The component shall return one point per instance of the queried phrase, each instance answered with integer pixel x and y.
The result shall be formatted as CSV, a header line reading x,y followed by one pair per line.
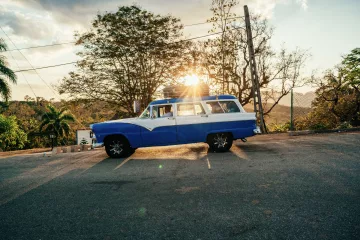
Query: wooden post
x,y
258,109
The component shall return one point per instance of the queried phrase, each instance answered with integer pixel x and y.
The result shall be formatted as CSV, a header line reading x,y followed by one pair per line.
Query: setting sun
x,y
191,80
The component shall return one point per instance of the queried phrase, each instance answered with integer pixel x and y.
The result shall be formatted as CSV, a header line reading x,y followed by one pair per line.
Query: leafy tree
x,y
57,121
338,95
351,68
228,65
127,56
6,74
11,136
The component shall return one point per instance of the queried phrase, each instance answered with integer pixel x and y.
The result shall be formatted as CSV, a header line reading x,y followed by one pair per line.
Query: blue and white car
x,y
216,120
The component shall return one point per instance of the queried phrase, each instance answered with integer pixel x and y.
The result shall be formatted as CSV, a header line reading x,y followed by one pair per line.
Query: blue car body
x,y
192,120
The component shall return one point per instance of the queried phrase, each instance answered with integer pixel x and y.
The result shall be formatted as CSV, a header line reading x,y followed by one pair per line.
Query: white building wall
x,y
83,135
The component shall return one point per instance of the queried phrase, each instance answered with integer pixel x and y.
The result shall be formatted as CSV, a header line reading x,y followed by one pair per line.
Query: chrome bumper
x,y
97,145
257,130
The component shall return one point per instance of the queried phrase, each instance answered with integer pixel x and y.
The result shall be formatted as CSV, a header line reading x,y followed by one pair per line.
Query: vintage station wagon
x,y
216,120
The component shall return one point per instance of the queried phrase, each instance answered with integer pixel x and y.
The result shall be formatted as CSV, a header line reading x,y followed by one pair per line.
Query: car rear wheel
x,y
117,147
220,142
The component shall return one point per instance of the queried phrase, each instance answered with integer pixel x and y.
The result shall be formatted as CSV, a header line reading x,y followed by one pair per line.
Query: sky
x,y
328,29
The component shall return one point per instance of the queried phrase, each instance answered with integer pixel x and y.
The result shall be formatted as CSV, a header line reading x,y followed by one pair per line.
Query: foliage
x,y
351,68
337,102
344,125
6,74
127,56
11,136
227,62
57,121
279,127
338,93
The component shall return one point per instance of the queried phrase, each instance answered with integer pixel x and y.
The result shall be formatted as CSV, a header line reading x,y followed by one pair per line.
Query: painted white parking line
x,y
208,163
125,161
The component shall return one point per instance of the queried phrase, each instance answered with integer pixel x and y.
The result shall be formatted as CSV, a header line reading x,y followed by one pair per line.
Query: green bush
x,y
344,125
279,127
11,136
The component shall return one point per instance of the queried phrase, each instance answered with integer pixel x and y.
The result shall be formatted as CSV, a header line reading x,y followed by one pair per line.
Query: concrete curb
x,y
308,132
70,149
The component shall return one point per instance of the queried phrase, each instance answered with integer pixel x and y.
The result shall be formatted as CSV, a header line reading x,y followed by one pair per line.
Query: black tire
x,y
117,147
220,142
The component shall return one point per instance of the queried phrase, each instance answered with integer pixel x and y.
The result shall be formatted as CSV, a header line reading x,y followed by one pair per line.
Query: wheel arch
x,y
115,135
215,132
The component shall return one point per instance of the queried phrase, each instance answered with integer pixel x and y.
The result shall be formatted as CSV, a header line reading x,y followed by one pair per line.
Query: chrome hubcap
x,y
116,147
220,140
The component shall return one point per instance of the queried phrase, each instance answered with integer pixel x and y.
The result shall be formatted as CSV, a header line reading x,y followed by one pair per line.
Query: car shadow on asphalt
x,y
177,156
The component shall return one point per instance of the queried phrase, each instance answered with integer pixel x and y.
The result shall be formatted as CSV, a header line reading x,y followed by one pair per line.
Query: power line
x,y
27,80
38,76
208,35
196,24
69,63
51,66
49,45
27,61
66,43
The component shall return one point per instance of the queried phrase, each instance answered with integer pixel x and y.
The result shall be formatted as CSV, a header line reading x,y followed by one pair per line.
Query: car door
x,y
191,122
160,128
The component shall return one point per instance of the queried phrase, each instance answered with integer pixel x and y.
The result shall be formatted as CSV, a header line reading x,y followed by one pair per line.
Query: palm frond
x,y
51,108
3,46
44,123
68,117
5,91
62,110
8,73
65,127
56,120
50,128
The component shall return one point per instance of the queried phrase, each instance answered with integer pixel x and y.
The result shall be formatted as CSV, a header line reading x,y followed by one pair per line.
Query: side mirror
x,y
136,106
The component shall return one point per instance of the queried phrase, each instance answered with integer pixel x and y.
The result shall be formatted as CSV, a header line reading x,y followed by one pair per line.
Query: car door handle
x,y
171,118
205,115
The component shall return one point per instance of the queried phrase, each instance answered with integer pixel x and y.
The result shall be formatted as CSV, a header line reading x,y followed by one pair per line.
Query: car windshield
x,y
146,113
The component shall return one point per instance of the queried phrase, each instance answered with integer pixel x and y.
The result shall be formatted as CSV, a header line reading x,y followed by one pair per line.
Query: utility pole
x,y
258,109
292,111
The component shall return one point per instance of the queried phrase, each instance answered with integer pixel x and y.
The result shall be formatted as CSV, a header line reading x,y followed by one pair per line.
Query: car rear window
x,y
223,107
229,106
214,107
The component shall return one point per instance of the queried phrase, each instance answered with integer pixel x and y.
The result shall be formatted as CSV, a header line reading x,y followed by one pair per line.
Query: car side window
x,y
162,111
146,113
214,107
154,112
229,106
190,109
185,109
165,111
199,110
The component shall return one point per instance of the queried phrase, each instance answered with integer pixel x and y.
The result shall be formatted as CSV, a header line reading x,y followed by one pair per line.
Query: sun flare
x,y
191,80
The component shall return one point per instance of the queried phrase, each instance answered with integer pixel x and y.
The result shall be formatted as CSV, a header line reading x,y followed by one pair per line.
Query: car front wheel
x,y
117,147
220,142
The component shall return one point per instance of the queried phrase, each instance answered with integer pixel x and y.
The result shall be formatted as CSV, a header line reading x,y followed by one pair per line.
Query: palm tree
x,y
57,121
6,74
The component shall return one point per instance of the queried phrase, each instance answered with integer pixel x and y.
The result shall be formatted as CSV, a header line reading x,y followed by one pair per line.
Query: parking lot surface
x,y
272,187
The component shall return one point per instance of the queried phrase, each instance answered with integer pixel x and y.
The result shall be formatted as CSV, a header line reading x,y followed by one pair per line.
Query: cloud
x,y
303,4
72,12
24,24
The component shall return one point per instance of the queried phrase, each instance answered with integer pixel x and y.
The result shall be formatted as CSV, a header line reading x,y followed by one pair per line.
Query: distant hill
x,y
281,114
300,99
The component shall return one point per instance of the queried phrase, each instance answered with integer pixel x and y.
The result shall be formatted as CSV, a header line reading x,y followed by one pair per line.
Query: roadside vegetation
x,y
132,54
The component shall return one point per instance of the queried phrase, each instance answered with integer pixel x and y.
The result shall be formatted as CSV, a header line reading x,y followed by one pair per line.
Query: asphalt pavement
x,y
272,187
